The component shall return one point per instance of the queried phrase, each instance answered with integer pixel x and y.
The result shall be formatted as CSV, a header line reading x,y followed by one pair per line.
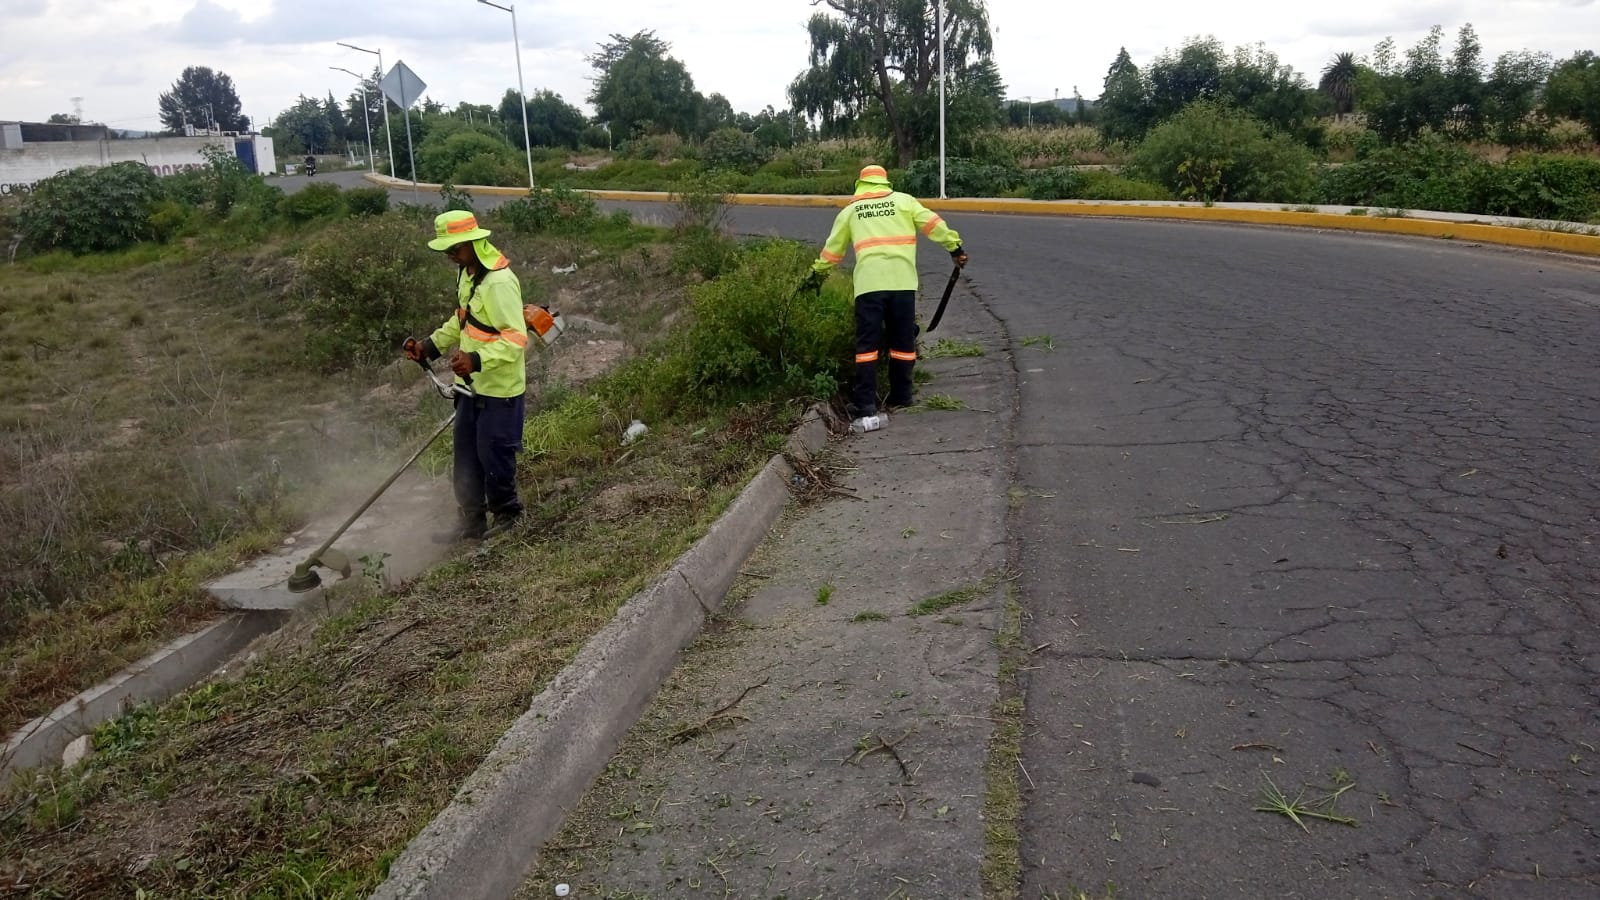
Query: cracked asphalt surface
x,y
1316,510
1309,508
1305,510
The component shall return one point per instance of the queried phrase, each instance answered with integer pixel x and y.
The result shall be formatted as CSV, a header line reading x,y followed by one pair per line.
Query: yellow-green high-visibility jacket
x,y
488,324
882,227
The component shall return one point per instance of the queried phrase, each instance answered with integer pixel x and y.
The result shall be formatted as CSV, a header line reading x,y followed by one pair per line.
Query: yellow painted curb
x,y
1528,238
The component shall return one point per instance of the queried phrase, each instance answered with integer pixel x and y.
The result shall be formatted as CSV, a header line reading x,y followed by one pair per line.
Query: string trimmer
x,y
305,577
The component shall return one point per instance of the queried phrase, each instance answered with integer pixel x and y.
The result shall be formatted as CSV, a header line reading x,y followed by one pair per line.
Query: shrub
x,y
1539,187
659,147
700,204
1429,172
1055,184
169,219
368,284
963,178
755,334
315,201
595,137
732,149
1101,185
1213,152
557,209
455,199
367,201
494,171
439,158
92,210
784,166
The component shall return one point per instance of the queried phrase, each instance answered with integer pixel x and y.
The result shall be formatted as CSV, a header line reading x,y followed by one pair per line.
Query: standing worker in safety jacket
x,y
882,225
486,339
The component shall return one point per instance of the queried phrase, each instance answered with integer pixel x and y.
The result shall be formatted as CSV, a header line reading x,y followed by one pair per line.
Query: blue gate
x,y
246,151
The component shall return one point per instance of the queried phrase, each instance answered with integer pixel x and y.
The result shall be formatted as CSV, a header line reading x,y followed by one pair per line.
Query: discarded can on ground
x,y
634,432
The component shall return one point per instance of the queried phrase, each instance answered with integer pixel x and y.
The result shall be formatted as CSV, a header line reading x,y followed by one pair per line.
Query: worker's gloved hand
x,y
413,350
816,281
960,257
463,364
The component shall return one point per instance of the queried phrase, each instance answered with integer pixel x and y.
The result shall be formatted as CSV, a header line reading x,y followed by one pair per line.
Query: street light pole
x,y
527,143
387,131
939,25
366,112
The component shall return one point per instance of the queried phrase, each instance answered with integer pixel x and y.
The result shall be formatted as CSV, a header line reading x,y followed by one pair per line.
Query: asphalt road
x,y
1309,508
1304,510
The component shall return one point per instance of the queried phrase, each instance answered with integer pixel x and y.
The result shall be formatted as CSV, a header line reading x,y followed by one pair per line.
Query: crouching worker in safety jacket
x,y
486,339
882,225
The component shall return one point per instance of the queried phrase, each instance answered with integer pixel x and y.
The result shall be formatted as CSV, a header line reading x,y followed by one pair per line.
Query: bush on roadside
x,y
365,286
756,335
1430,172
732,150
557,210
315,201
963,178
92,210
492,171
1213,152
367,201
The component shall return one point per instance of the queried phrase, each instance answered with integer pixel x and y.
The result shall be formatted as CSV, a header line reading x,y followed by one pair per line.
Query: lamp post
x,y
387,132
366,112
939,26
527,144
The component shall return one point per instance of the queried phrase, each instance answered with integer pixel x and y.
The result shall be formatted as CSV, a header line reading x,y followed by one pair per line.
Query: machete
x,y
944,301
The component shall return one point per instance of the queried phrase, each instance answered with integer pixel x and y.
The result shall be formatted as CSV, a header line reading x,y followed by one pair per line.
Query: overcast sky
x,y
118,55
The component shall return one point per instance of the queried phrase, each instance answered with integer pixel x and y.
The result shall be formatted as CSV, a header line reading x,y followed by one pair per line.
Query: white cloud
x,y
122,53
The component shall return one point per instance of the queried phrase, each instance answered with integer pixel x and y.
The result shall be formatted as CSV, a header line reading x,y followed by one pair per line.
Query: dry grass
x,y
324,758
158,425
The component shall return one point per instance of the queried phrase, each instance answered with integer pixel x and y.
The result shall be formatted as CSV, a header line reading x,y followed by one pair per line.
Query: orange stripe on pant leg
x,y
903,357
867,357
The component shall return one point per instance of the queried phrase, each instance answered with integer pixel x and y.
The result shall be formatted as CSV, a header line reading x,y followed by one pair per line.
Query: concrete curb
x,y
1405,225
169,670
487,839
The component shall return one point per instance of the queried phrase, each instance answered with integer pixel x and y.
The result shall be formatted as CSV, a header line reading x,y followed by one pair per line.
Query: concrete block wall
x,y
20,168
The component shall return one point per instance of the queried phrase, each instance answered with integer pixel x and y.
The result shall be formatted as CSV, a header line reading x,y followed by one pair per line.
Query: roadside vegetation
x,y
1427,127
240,359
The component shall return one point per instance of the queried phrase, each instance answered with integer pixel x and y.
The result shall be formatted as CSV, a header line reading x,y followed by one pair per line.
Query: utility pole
x,y
387,131
527,143
939,25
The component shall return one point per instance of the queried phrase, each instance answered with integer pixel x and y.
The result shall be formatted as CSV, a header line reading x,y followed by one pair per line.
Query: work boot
x,y
466,529
502,524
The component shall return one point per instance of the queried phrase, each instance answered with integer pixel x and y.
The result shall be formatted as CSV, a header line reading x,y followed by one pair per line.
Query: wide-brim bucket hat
x,y
456,227
872,178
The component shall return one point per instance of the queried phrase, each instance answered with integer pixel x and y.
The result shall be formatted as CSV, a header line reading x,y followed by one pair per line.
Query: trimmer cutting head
x,y
304,579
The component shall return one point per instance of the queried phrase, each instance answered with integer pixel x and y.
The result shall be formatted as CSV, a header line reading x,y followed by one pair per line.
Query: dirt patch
x,y
586,359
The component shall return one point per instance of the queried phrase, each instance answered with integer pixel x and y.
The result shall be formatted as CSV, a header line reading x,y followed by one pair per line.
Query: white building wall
x,y
19,169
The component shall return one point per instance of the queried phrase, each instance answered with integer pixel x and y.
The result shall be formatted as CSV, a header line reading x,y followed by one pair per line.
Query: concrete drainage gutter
x,y
484,843
167,671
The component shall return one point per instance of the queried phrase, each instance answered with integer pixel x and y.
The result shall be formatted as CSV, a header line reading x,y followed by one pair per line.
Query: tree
x,y
1339,83
718,113
1193,73
1465,78
552,121
1125,111
882,56
62,119
1574,91
200,97
302,128
1511,97
640,89
338,128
